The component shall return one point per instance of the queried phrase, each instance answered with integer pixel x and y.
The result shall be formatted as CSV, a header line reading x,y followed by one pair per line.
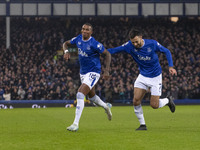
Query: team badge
x,y
149,49
88,47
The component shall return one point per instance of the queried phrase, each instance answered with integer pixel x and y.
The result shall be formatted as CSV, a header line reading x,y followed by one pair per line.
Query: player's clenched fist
x,y
67,56
172,71
106,75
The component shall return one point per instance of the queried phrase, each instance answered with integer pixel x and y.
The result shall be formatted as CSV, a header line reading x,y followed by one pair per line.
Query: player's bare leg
x,y
138,96
96,99
156,102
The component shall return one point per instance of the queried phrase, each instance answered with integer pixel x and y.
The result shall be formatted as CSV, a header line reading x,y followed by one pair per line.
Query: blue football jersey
x,y
88,53
146,56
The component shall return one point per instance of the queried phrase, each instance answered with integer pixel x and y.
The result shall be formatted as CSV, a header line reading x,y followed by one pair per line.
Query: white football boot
x,y
73,128
108,111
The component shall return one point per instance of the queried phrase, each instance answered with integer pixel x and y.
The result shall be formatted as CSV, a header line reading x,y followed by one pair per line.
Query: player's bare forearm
x,y
66,45
108,60
65,49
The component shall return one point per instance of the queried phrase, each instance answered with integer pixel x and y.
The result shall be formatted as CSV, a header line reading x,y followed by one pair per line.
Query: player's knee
x,y
136,102
154,102
80,95
154,105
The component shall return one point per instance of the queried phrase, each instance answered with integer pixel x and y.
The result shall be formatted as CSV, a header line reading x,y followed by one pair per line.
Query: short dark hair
x,y
134,32
88,24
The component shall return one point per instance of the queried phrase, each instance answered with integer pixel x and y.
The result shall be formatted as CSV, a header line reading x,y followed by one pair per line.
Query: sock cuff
x,y
137,107
93,98
80,95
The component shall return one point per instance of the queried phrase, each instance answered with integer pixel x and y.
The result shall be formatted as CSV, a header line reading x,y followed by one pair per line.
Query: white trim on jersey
x,y
86,40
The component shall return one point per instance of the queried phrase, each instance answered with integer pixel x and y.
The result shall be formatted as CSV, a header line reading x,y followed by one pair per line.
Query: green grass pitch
x,y
45,129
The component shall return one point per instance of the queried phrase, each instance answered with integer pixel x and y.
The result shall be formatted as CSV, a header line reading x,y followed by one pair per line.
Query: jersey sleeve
x,y
98,47
73,40
167,52
118,49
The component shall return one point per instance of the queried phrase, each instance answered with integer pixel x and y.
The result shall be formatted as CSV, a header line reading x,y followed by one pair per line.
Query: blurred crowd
x,y
32,68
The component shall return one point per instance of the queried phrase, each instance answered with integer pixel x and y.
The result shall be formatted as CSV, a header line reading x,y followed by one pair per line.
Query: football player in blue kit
x,y
144,53
89,51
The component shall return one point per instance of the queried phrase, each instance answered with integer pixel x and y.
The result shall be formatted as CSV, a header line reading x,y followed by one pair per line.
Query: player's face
x,y
86,31
137,41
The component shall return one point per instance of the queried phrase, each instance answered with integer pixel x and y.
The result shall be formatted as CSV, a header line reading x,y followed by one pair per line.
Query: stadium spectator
x,y
1,94
7,94
21,93
34,43
108,93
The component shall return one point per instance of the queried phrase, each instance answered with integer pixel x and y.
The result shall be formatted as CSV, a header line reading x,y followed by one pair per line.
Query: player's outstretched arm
x,y
106,74
168,54
66,51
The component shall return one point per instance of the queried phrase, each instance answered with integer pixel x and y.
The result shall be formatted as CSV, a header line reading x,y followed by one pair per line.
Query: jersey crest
x,y
149,49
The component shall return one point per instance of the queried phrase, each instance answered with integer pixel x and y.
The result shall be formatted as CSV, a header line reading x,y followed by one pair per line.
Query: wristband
x,y
66,51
